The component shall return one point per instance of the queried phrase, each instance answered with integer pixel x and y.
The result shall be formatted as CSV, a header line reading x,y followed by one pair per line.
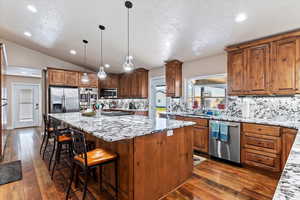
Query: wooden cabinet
x,y
236,72
111,82
257,77
71,78
285,65
56,77
261,146
200,132
93,83
288,138
174,78
268,66
134,85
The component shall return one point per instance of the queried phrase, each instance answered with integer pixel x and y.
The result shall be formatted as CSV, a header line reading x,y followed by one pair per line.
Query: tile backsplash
x,y
141,104
280,108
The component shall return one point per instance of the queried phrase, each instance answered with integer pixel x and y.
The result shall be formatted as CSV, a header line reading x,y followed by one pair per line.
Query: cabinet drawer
x,y
267,143
199,121
261,129
262,160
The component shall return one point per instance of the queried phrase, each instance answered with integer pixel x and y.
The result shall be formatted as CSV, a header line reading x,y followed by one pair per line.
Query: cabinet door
x,y
288,138
201,139
170,81
93,80
71,78
236,72
257,77
56,77
174,78
284,67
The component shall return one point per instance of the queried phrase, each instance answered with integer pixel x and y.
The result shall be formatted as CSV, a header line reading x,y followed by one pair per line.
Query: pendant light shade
x,y
128,65
85,77
102,74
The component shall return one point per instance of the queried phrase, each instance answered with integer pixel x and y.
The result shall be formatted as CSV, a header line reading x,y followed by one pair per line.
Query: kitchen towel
x,y
215,127
224,136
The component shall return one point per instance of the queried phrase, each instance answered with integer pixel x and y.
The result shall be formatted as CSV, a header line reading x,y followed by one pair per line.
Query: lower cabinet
x,y
201,139
200,131
266,147
288,138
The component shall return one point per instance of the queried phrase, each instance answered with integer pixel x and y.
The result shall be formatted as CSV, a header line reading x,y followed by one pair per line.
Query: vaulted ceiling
x,y
162,29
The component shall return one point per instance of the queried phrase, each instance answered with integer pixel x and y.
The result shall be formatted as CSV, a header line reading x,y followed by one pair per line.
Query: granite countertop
x,y
288,187
117,128
127,109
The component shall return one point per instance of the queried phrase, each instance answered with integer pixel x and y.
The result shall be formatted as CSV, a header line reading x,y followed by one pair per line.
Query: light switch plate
x,y
170,132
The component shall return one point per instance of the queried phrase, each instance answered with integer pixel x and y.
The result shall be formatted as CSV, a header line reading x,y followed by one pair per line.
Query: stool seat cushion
x,y
96,156
64,138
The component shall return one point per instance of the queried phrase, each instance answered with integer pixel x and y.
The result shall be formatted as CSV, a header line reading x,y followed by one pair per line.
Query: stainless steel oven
x,y
229,150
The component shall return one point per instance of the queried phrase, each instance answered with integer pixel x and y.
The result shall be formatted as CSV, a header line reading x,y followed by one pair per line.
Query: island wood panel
x,y
146,164
161,163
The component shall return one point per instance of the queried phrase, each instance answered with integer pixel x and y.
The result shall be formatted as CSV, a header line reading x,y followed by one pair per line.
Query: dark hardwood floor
x,y
211,179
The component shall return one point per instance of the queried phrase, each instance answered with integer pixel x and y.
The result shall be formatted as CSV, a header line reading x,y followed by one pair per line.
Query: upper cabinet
x,y
269,66
174,78
93,81
111,81
56,77
60,77
134,85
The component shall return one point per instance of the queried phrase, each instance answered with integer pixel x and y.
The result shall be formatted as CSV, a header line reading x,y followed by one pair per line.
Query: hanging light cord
x,y
85,53
128,32
101,62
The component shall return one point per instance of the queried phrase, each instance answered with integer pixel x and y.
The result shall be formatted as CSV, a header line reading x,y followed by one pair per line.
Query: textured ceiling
x,y
162,29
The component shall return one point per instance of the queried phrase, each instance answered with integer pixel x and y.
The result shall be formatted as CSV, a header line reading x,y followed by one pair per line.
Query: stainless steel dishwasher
x,y
229,150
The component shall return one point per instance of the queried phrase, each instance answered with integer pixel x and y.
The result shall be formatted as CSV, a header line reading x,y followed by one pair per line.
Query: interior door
x,y
27,105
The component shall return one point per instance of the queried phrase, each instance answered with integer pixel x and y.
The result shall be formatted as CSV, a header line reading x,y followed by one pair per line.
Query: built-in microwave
x,y
109,93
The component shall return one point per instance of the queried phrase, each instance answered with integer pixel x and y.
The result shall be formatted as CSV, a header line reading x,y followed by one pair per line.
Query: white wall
x,y
21,56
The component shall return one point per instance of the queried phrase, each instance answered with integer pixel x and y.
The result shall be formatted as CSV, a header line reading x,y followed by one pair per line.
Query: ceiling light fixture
x,y
128,64
241,17
73,52
101,74
32,8
28,34
85,77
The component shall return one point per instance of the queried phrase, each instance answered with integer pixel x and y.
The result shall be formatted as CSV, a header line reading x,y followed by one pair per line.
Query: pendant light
x,y
102,74
85,77
128,64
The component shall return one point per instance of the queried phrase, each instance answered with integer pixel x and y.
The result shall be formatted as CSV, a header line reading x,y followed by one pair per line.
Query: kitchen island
x,y
155,155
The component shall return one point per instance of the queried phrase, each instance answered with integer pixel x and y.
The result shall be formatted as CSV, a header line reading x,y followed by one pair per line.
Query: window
x,y
208,93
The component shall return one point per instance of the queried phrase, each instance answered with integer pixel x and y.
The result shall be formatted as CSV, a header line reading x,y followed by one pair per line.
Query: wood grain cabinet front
x,y
71,78
288,138
174,78
56,77
268,66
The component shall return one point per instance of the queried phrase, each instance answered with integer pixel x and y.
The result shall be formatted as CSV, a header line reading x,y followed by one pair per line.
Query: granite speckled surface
x,y
288,187
117,128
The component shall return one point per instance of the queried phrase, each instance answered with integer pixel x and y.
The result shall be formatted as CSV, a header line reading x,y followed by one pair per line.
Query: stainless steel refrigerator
x,y
63,99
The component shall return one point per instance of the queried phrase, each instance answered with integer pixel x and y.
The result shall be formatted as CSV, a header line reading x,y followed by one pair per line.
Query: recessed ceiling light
x,y
73,52
107,66
32,8
241,17
28,34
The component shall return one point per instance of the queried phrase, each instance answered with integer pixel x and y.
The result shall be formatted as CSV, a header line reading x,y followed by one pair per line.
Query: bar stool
x,y
89,160
61,137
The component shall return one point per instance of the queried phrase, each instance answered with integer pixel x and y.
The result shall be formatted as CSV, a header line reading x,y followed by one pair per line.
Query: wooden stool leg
x,y
71,180
100,178
117,179
86,173
77,177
